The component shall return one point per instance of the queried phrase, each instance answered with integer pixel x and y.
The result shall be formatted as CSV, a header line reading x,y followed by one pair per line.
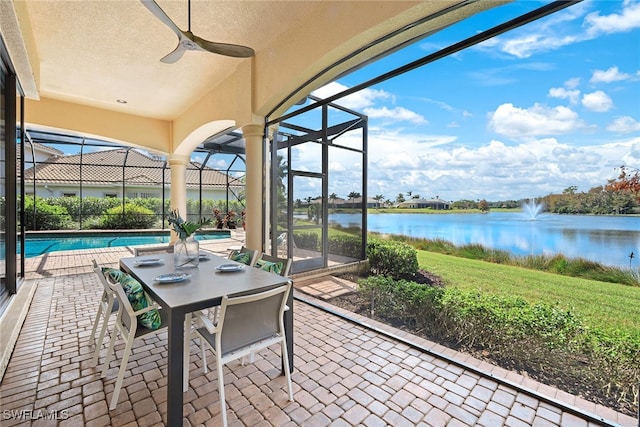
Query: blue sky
x,y
552,104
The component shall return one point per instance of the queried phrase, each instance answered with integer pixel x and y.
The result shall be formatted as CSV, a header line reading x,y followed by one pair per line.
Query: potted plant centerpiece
x,y
186,250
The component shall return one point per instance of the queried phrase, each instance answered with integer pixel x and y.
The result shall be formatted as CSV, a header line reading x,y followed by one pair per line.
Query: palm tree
x,y
333,197
378,198
283,168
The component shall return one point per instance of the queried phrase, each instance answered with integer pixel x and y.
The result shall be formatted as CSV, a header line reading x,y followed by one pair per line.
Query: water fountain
x,y
531,209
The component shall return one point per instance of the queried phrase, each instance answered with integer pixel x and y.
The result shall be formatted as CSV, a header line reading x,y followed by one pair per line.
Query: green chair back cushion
x,y
273,267
136,296
241,257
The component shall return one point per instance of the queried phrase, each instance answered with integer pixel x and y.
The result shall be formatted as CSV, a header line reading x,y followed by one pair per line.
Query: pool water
x,y
36,246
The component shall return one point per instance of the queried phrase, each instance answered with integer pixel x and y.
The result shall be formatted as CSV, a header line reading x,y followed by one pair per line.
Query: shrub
x,y
306,241
132,217
391,258
530,336
39,215
350,246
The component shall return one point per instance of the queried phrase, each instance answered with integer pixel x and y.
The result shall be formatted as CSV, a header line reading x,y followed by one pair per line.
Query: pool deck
x,y
349,370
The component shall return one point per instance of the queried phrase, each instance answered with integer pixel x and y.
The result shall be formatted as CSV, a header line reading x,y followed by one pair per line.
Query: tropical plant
x,y
184,228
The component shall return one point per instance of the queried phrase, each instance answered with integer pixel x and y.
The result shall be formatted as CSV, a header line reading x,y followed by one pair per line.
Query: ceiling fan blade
x,y
175,55
226,49
159,13
188,41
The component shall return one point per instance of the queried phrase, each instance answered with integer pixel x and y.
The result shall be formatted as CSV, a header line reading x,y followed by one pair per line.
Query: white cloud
x,y
608,76
572,83
538,120
528,45
626,20
559,92
597,101
624,124
396,114
367,101
357,101
494,170
556,31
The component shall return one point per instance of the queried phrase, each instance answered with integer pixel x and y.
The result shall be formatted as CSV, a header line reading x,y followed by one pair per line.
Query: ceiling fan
x,y
188,41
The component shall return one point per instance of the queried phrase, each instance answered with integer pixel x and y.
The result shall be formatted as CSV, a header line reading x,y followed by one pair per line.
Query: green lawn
x,y
607,306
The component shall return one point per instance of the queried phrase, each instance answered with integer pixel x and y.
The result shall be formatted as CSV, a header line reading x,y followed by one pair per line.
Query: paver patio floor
x,y
346,374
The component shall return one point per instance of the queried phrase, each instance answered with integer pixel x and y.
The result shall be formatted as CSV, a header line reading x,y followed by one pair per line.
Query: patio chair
x,y
245,325
108,306
150,250
245,256
282,243
281,266
127,322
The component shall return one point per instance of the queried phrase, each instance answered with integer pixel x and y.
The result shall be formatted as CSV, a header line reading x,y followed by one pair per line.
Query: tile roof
x,y
105,168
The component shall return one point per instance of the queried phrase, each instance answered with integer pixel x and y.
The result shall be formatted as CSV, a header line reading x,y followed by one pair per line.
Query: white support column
x,y
178,165
255,199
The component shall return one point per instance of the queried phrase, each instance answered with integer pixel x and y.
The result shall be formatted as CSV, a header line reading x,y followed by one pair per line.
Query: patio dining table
x,y
203,289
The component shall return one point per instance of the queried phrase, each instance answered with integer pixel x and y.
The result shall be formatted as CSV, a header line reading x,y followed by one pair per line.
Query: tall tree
x,y
628,181
283,167
332,198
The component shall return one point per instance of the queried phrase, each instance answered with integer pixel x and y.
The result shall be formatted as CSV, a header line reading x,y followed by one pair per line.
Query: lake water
x,y
605,239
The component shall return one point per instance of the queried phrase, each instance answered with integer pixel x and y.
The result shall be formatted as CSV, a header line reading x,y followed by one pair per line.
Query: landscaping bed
x,y
581,374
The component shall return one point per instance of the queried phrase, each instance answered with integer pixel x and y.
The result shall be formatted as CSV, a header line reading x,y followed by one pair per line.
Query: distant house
x,y
39,152
354,203
357,203
102,175
435,204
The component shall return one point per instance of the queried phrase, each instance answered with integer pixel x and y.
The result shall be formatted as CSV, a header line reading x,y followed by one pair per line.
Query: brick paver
x,y
345,373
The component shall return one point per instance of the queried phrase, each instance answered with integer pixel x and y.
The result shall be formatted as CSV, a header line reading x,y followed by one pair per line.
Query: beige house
x,y
118,172
435,204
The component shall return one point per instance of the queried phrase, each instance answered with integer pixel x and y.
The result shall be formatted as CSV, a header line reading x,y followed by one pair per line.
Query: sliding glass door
x,y
10,264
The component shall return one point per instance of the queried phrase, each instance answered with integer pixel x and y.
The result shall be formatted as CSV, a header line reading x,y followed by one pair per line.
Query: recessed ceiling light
x,y
121,101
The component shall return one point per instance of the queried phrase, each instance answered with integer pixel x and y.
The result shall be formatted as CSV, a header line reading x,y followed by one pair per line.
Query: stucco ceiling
x,y
98,52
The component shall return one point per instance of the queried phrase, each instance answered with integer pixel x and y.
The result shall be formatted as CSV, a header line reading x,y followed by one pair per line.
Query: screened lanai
x,y
72,171
63,165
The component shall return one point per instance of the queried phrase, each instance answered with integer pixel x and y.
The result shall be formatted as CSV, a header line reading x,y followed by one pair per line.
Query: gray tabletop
x,y
204,288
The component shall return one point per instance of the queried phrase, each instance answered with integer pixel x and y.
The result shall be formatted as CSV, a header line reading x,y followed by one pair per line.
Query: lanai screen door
x,y
318,159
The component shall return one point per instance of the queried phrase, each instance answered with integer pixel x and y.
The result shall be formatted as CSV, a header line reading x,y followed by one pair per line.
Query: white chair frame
x,y
213,334
107,307
286,268
254,254
126,324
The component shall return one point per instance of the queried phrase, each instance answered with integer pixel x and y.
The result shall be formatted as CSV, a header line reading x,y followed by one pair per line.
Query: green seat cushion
x,y
241,257
273,267
136,296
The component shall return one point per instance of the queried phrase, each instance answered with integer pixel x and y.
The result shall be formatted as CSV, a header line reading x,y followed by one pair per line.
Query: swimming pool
x,y
39,244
